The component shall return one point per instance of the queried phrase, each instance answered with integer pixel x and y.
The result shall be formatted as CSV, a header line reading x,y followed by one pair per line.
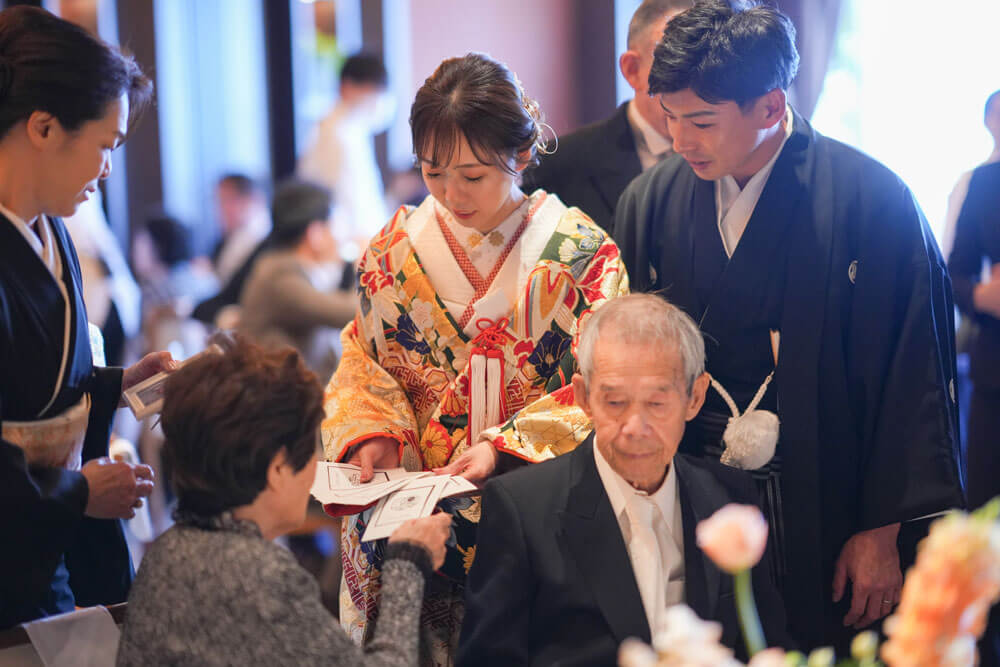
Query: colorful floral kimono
x,y
434,340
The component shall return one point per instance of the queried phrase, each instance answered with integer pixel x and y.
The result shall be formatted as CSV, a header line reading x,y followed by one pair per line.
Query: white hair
x,y
643,319
651,11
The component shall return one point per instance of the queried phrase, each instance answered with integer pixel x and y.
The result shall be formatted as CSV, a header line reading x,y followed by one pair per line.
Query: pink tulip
x,y
734,537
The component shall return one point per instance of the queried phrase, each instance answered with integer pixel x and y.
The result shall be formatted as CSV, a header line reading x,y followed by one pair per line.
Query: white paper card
x,y
83,638
146,398
340,483
417,499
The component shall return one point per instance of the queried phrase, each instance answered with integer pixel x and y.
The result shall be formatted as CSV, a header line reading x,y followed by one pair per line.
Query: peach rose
x,y
772,657
947,593
734,537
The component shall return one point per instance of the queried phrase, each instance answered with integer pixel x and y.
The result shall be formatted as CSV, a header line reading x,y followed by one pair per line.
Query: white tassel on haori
x,y
752,437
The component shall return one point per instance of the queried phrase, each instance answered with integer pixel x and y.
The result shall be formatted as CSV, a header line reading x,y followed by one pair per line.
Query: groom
x,y
576,554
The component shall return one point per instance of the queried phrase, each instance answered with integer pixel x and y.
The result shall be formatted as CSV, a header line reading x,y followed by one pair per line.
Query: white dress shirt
x,y
240,244
660,515
649,144
734,206
341,157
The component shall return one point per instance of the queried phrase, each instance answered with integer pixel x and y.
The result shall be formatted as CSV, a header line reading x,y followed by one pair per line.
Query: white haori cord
x,y
751,437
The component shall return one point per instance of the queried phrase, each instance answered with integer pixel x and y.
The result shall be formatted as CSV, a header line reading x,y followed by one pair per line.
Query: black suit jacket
x,y
977,238
590,168
552,582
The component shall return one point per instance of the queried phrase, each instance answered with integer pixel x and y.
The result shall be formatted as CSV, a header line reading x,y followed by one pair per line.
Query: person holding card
x,y
66,102
241,443
470,304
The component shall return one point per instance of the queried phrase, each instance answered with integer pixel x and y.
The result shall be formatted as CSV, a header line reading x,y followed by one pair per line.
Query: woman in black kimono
x,y
65,103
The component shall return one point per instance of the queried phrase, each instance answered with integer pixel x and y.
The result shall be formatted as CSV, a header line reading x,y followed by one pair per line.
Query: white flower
x,y
685,640
960,652
569,252
634,653
385,307
421,312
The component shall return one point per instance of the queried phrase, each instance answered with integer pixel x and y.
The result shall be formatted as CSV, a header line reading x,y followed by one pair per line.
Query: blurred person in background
x,y
67,101
977,294
110,291
991,119
241,446
593,165
172,274
292,295
341,153
246,222
968,329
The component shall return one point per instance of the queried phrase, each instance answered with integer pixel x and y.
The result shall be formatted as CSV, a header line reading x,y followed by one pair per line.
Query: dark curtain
x,y
816,23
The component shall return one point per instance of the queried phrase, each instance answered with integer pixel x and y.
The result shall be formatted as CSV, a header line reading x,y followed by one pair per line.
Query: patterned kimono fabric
x,y
438,335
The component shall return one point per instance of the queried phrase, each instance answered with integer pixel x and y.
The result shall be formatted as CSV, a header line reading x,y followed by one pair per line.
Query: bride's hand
x,y
476,464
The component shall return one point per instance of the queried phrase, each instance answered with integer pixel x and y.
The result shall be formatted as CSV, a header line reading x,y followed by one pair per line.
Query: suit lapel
x,y
702,579
592,534
617,158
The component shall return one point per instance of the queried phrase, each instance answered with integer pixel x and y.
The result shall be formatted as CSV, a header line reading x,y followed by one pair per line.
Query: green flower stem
x,y
746,609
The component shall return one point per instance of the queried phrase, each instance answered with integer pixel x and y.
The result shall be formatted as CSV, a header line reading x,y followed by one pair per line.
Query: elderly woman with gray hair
x,y
241,445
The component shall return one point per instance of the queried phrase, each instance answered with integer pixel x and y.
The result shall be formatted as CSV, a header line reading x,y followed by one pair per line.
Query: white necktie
x,y
645,554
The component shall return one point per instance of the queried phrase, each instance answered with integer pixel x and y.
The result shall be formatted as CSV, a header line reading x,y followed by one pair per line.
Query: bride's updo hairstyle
x,y
479,98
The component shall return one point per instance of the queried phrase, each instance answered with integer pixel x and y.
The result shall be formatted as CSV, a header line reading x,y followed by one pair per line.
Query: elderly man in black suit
x,y
592,166
578,553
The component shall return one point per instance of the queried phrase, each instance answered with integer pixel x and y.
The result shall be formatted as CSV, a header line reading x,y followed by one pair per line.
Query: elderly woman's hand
x,y
430,532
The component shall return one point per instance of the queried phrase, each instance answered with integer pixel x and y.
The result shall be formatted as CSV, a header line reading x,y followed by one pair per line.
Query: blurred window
x,y
324,33
907,84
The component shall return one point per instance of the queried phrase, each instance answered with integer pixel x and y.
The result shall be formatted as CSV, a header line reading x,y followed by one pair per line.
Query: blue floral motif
x,y
590,239
577,251
408,336
547,353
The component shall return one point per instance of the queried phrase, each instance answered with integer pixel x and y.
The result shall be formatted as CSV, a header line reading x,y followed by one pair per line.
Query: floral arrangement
x,y
946,597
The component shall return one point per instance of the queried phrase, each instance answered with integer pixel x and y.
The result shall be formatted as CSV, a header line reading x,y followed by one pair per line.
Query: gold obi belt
x,y
56,442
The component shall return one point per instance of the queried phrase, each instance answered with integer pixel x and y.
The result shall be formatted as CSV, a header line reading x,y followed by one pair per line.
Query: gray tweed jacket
x,y
222,595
